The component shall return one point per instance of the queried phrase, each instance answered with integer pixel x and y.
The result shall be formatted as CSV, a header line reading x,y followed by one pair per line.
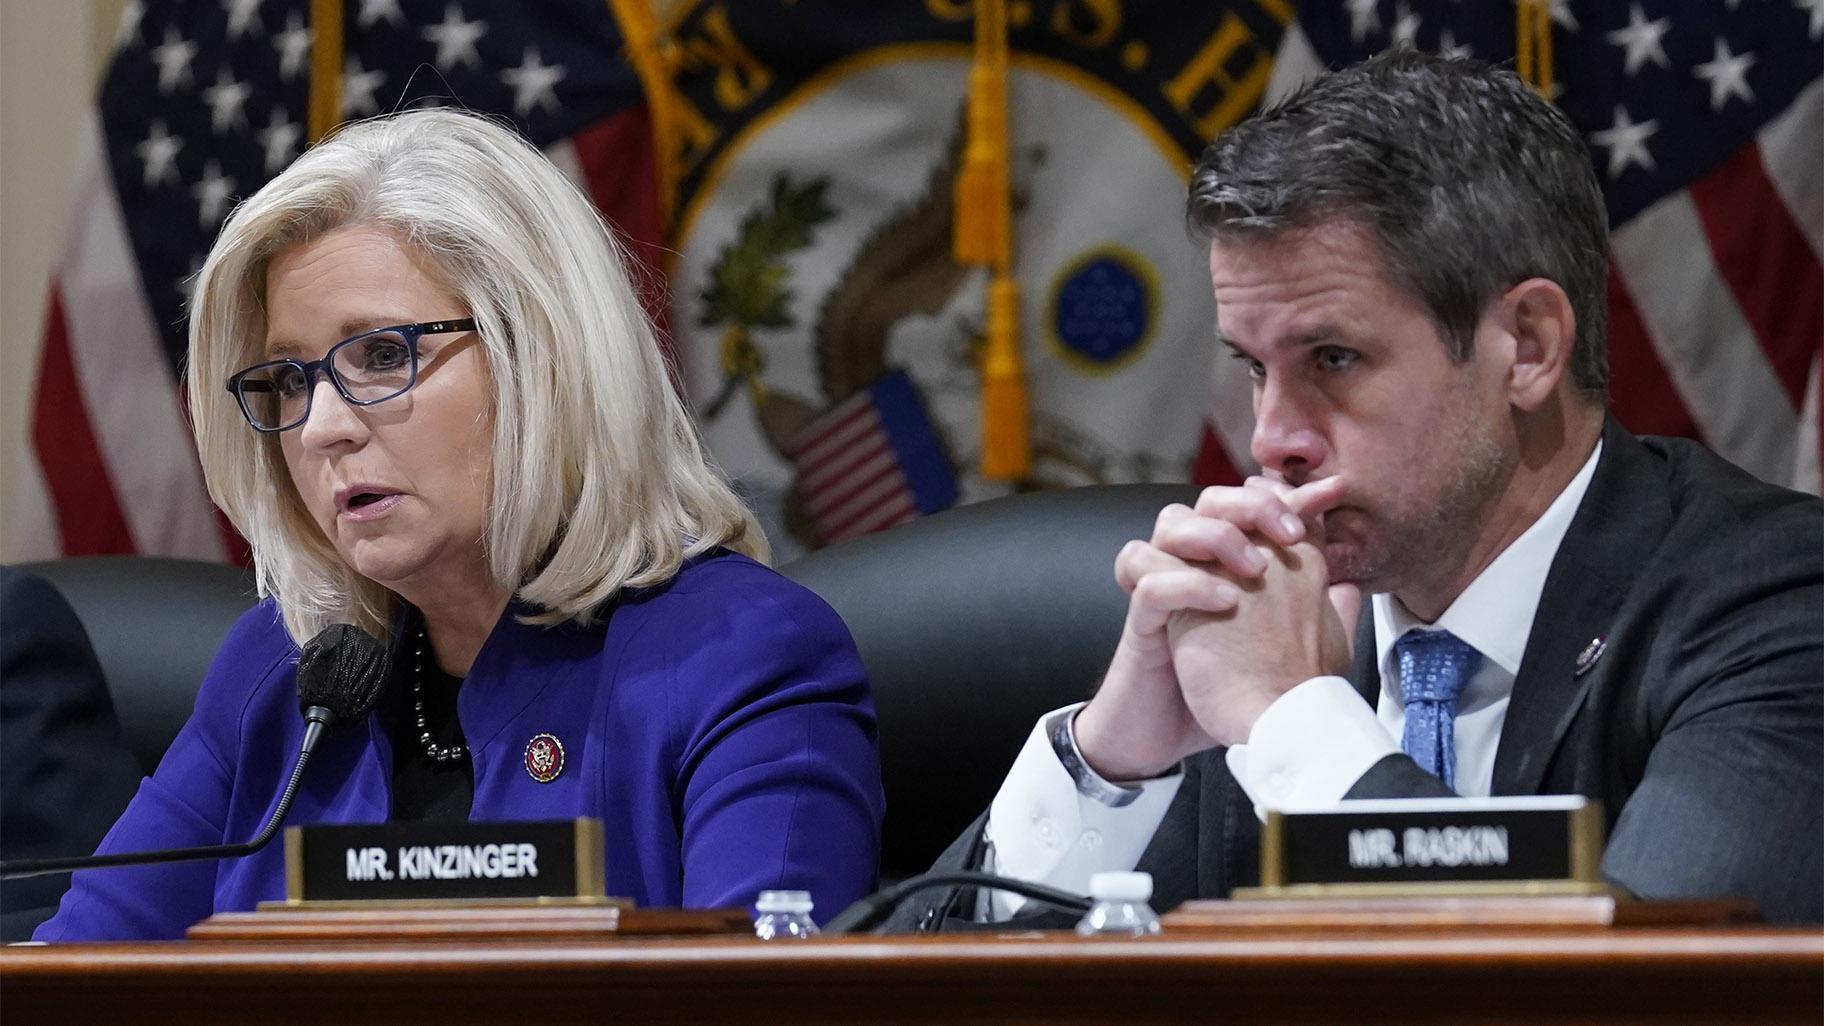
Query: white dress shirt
x,y
1310,746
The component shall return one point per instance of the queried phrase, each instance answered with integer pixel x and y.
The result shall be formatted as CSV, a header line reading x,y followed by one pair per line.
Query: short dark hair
x,y
1468,180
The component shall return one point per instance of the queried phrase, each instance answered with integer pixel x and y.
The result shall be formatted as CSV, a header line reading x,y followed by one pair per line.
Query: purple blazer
x,y
720,726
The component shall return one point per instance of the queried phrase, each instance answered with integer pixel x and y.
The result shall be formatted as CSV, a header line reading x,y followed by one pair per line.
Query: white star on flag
x,y
1561,14
1364,17
1727,74
358,88
130,17
293,45
1626,142
243,15
1816,9
1643,39
159,151
212,194
455,39
1405,26
226,98
534,83
173,58
1450,49
373,11
280,140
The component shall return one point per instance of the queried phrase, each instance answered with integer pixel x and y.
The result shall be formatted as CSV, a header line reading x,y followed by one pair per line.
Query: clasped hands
x,y
1229,607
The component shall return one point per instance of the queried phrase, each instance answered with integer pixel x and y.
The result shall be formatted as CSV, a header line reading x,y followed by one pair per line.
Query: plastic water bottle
x,y
1120,907
784,915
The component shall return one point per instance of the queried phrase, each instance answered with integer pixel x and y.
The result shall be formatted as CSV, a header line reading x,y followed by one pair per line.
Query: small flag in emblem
x,y
872,462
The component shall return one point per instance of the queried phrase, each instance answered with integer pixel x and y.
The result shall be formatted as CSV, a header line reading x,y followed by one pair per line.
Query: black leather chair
x,y
972,624
155,624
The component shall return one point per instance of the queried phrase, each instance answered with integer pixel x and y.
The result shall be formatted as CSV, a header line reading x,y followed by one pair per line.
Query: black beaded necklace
x,y
440,754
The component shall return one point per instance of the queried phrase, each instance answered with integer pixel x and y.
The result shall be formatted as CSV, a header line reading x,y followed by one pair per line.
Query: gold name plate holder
x,y
1440,864
456,882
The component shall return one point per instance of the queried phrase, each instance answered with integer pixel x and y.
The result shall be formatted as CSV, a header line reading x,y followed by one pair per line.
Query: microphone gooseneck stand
x,y
341,673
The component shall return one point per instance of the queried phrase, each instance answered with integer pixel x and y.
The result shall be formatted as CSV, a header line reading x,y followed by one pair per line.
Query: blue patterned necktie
x,y
1434,667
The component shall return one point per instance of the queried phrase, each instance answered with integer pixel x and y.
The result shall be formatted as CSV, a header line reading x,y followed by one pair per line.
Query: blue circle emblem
x,y
1102,308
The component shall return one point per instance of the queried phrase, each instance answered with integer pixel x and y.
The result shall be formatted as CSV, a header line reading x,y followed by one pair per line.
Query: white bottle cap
x,y
1121,886
797,901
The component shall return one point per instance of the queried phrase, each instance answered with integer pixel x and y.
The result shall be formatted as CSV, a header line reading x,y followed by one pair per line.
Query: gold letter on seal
x,y
740,77
1237,91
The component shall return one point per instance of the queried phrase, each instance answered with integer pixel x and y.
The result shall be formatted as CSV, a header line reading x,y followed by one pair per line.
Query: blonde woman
x,y
424,390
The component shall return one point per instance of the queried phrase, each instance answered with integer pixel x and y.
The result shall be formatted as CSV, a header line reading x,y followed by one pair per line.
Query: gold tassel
x,y
982,231
652,64
325,67
984,235
1006,442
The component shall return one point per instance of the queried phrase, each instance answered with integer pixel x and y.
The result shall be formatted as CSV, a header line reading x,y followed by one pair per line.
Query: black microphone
x,y
341,673
874,909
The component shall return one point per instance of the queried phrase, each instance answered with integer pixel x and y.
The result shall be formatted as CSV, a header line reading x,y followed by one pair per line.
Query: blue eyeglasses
x,y
369,368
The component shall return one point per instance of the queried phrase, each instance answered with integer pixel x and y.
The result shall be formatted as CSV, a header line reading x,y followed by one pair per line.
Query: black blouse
x,y
424,789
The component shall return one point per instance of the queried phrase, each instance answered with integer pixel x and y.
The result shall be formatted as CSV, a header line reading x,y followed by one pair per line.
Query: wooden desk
x,y
1407,977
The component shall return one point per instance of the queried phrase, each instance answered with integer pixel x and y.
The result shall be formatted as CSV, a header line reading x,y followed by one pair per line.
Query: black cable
x,y
16,869
870,911
341,672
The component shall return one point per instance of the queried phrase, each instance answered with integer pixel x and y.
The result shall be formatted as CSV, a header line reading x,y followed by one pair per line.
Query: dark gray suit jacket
x,y
65,770
1700,727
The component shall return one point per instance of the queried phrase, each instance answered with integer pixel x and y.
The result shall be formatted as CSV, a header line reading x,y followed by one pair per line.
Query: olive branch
x,y
750,282
749,285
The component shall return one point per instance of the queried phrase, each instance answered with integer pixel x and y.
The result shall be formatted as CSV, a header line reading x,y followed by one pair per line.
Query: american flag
x,y
204,102
872,462
1704,121
1706,125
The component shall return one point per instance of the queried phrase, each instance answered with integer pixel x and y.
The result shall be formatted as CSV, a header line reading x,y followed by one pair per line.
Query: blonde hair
x,y
599,480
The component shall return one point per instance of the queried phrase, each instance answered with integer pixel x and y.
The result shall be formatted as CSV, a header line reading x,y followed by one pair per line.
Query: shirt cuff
x,y
1310,747
1043,829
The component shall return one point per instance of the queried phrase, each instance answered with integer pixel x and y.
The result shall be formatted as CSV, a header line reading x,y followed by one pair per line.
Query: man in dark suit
x,y
65,770
1408,255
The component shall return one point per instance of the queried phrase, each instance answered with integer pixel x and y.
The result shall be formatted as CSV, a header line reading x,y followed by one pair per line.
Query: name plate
x,y
1509,845
445,862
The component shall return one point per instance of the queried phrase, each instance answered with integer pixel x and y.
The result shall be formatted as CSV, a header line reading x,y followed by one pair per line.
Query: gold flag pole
x,y
325,67
1533,45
